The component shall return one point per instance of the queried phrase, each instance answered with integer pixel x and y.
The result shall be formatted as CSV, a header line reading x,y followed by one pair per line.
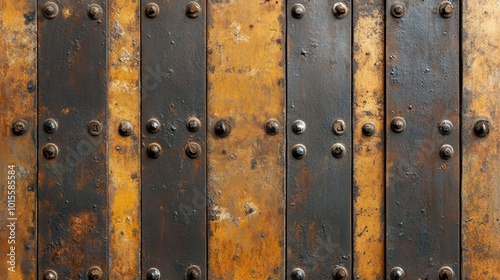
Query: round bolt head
x,y
298,127
193,150
482,128
446,127
338,150
152,10
193,9
153,274
340,273
446,273
125,128
368,129
446,151
398,124
50,275
397,273
50,10
298,10
153,126
446,9
272,127
94,128
339,127
398,9
50,151
222,128
193,272
193,124
19,127
298,274
95,273
299,151
340,10
95,12
50,126
154,150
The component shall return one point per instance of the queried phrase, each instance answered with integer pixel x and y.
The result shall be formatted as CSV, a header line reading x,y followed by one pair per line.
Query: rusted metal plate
x,y
72,191
173,120
368,139
480,164
18,123
124,140
423,188
246,168
319,189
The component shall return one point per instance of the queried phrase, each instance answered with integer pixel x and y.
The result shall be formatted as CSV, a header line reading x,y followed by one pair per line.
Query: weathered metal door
x,y
249,139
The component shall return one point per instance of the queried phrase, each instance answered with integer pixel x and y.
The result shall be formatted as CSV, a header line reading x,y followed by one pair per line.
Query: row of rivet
x,y
338,127
94,273
50,10
445,8
340,273
193,10
193,272
339,10
444,273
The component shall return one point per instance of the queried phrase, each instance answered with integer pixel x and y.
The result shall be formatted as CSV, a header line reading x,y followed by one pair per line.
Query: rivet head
x,y
272,127
125,128
50,126
298,274
50,151
95,273
446,9
338,150
50,275
193,149
299,151
398,124
298,10
298,127
193,9
153,274
193,124
152,10
19,127
222,128
153,150
398,9
193,272
153,126
339,127
397,273
340,10
368,129
94,128
482,128
340,273
446,273
446,151
50,10
445,127
95,12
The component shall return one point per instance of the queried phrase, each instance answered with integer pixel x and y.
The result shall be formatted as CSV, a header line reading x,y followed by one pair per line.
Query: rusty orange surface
x,y
246,169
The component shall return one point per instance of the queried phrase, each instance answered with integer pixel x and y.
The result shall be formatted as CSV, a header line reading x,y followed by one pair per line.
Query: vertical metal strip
x,y
423,153
72,106
369,139
18,136
246,164
173,118
124,140
480,138
319,135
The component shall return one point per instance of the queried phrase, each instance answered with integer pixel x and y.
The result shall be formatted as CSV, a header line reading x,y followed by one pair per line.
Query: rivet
x,y
193,149
193,272
482,128
154,150
368,129
398,124
50,126
338,150
222,128
340,10
193,124
94,128
153,274
446,9
95,273
272,127
50,151
446,273
398,9
340,273
298,10
95,12
193,9
299,151
50,10
298,274
153,125
338,127
19,127
50,275
298,127
152,10
446,151
125,128
397,273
